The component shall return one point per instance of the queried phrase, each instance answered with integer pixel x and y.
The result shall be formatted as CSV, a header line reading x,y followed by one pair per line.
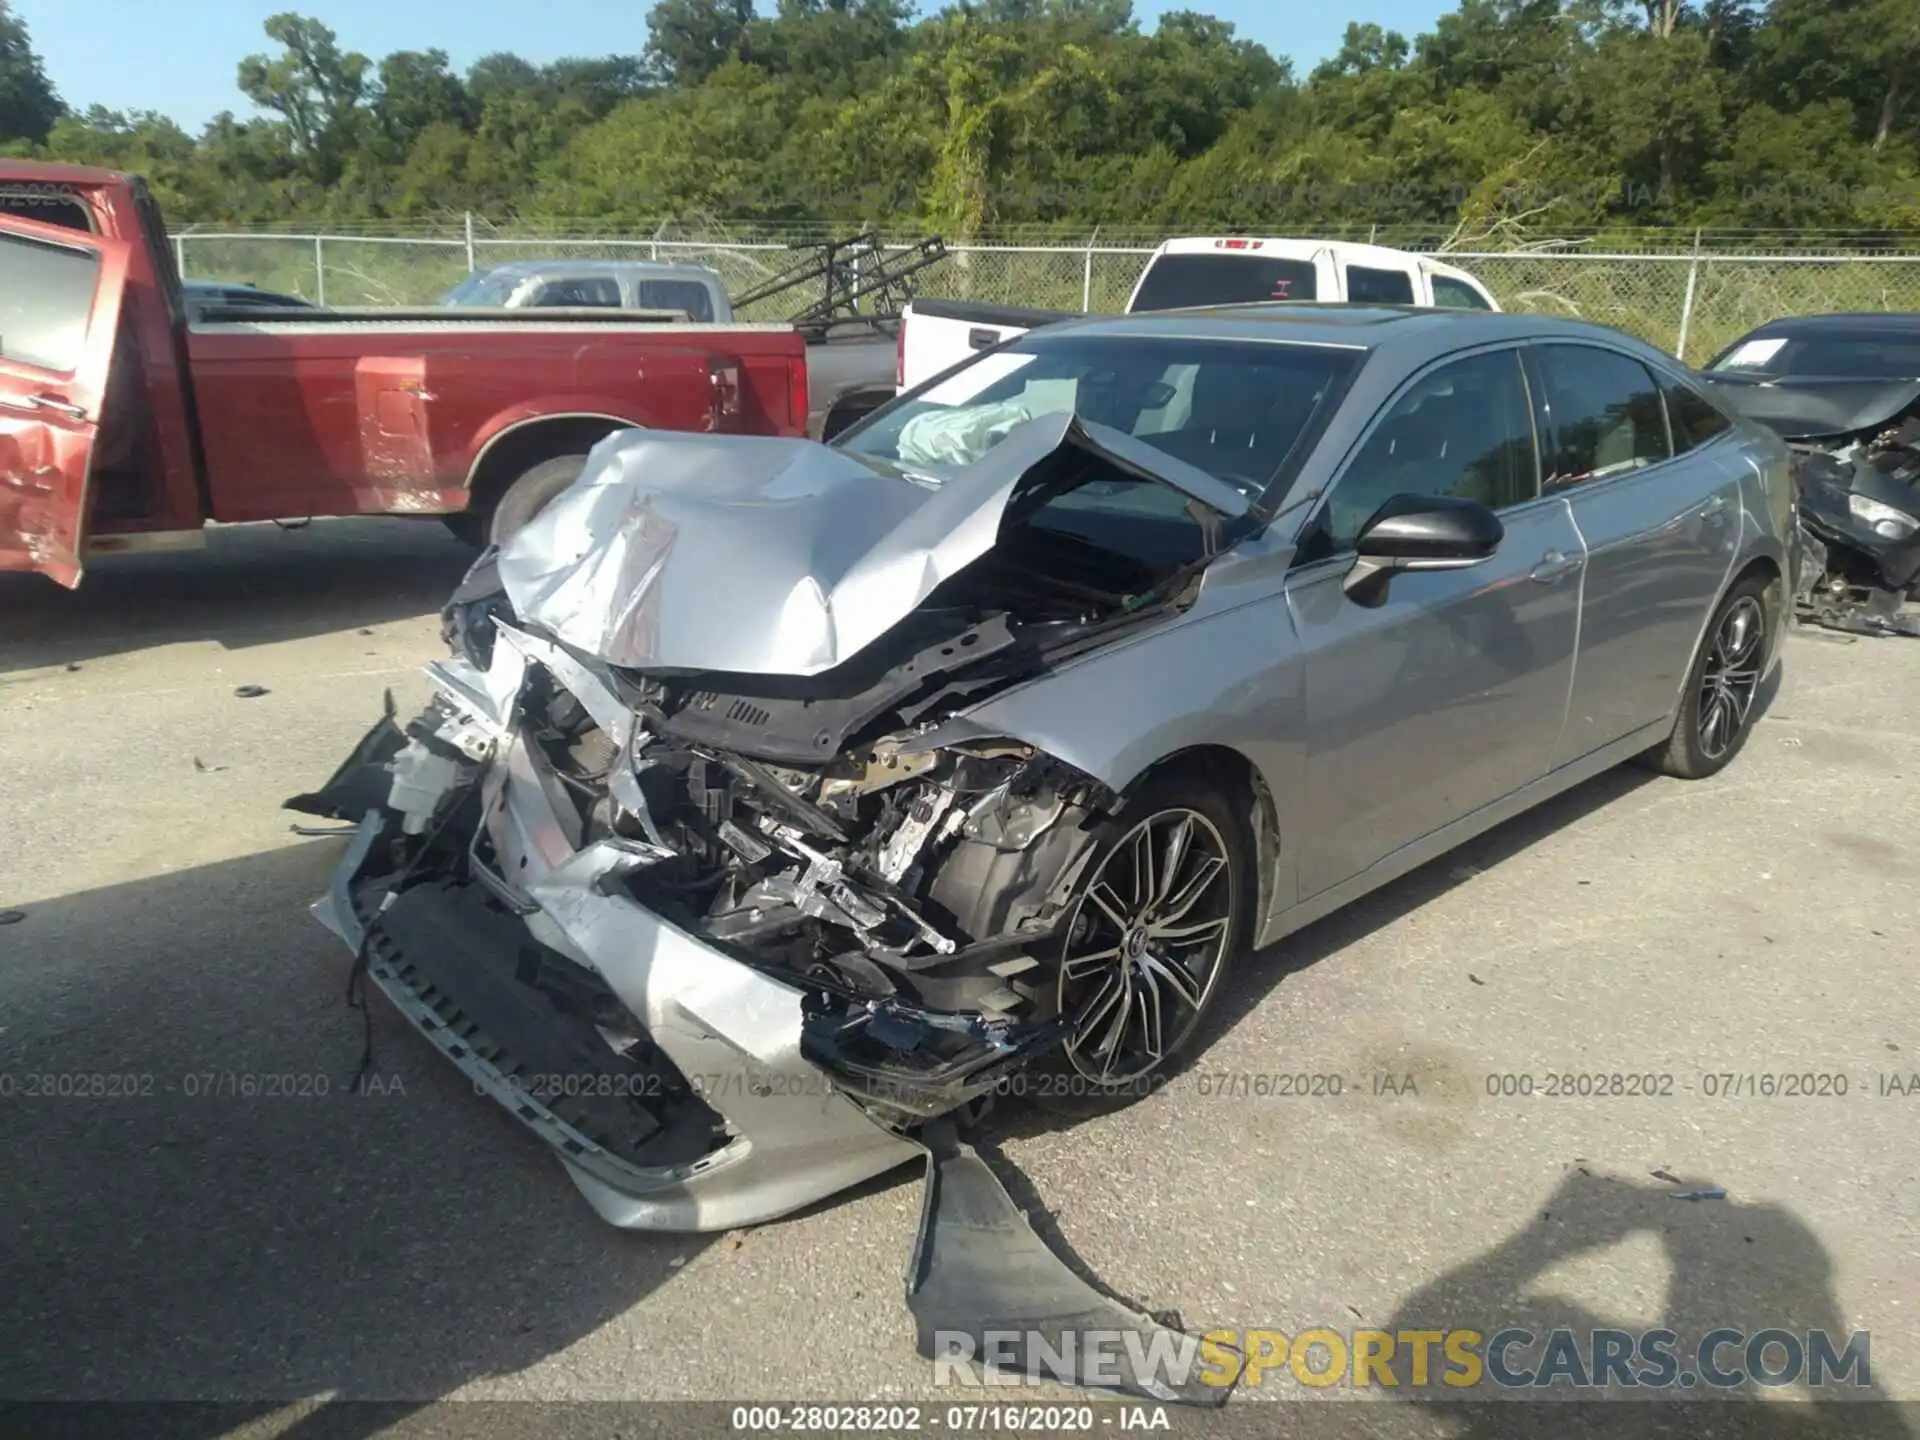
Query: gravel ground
x,y
414,1244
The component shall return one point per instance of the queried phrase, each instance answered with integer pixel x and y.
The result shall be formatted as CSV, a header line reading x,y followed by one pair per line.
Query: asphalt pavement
x,y
194,1207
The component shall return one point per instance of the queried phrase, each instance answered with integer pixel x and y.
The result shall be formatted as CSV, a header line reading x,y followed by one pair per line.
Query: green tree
x,y
28,104
418,91
1366,47
1865,52
316,88
688,40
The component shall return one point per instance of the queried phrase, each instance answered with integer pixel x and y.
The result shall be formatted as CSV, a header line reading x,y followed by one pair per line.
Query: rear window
x,y
1452,294
46,296
688,295
48,204
1368,286
1695,420
1864,354
1174,282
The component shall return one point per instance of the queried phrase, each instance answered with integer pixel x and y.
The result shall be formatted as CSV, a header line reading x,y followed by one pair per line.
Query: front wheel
x,y
1716,712
531,493
1153,928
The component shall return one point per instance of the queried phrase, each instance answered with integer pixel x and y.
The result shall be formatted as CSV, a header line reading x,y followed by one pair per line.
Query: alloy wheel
x,y
1147,941
1731,677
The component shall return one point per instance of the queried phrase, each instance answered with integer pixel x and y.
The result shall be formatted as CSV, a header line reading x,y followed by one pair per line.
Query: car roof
x,y
662,269
1839,323
1287,247
1350,326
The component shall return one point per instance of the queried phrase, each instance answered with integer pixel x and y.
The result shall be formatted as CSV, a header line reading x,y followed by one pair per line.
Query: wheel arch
x,y
851,406
519,445
1240,782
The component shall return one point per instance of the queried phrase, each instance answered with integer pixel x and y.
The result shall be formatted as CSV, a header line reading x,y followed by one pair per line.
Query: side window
x,y
1462,429
1606,411
1694,418
1379,287
1452,294
685,295
595,290
46,296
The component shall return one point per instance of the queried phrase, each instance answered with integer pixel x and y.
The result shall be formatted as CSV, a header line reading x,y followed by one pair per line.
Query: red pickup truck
x,y
129,419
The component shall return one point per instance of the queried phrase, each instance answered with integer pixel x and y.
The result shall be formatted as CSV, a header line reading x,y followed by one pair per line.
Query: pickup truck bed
x,y
942,333
331,417
852,369
130,417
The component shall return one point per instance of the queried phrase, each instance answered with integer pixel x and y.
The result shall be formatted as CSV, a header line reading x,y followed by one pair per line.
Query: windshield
x,y
1174,282
1235,409
482,288
1865,354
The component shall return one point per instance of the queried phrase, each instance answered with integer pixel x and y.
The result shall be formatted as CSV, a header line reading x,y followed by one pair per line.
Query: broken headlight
x,y
1887,522
466,624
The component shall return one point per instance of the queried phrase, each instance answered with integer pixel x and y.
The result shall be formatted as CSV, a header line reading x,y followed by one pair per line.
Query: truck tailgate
x,y
939,334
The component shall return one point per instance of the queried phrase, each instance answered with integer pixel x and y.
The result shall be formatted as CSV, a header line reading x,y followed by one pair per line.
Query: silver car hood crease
x,y
757,555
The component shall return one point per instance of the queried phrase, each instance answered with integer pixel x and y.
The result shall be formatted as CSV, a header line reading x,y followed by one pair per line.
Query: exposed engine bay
x,y
801,825
1859,499
914,889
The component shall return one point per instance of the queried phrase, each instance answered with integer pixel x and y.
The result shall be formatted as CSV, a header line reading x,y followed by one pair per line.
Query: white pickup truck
x,y
936,335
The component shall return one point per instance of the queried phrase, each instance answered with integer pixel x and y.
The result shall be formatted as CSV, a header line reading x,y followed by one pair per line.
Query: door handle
x,y
1714,508
1554,567
63,407
983,339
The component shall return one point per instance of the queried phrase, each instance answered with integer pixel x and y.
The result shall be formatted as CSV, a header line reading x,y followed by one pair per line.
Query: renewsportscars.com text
x,y
1511,1358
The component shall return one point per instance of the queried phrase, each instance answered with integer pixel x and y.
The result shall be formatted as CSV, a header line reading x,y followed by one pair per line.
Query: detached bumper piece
x,y
362,782
537,1018
981,1276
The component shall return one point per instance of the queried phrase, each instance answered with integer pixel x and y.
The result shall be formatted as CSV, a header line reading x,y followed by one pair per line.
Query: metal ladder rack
x,y
849,271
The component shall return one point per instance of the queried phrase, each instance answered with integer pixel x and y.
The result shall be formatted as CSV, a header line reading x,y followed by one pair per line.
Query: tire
x,y
467,527
847,413
1078,1079
1716,709
527,496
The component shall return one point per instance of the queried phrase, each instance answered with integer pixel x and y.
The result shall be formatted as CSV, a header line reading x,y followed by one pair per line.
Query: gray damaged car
x,y
779,800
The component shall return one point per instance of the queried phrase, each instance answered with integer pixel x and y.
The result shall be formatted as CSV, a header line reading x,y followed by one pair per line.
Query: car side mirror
x,y
1420,532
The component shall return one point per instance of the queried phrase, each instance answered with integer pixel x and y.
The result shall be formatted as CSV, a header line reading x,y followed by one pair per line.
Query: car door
x,y
1451,693
60,293
1660,530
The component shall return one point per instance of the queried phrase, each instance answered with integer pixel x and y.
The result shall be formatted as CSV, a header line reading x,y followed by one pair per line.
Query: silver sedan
x,y
781,798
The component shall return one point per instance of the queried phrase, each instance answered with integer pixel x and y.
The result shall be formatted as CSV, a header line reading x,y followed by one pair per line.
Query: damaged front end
x,y
1859,515
1856,465
727,937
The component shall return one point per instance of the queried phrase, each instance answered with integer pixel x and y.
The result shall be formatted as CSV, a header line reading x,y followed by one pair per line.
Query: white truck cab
x,y
936,335
1224,270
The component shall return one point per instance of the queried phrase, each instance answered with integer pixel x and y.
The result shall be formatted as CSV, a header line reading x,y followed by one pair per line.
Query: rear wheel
x,y
1153,929
528,495
1716,712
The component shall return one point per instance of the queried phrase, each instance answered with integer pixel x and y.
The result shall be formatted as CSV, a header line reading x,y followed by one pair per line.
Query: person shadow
x,y
1732,1266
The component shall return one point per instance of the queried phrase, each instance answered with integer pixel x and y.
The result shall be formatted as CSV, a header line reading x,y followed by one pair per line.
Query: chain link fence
x,y
1691,303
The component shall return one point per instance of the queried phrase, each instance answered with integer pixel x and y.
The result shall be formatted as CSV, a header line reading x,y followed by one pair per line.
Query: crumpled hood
x,y
758,555
1812,407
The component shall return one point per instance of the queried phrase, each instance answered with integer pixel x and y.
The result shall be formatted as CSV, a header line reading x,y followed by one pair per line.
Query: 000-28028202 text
x,y
897,1419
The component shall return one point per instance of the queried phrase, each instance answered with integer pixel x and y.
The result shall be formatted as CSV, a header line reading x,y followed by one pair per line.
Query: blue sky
x,y
178,56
